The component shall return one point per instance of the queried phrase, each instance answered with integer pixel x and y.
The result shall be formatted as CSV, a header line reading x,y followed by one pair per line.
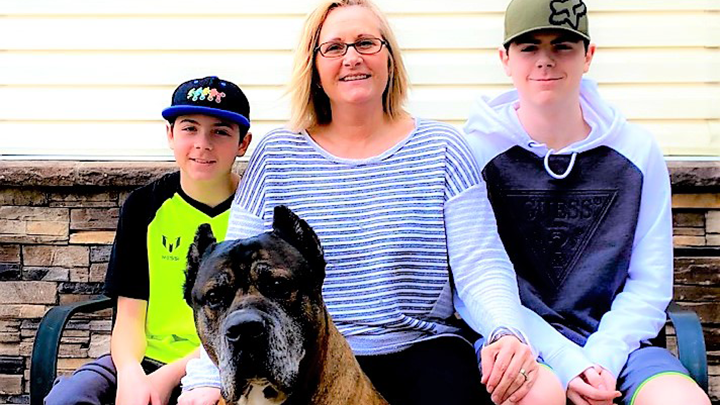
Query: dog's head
x,y
257,303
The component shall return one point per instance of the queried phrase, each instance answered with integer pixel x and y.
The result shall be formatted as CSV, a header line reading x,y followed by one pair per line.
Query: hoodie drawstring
x,y
552,173
546,161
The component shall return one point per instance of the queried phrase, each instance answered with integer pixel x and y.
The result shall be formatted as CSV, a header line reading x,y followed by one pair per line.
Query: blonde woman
x,y
402,213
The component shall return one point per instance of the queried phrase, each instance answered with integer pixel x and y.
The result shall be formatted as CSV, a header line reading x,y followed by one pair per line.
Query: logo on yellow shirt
x,y
170,247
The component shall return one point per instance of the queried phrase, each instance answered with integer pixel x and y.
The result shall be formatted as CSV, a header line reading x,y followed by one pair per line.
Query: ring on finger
x,y
524,373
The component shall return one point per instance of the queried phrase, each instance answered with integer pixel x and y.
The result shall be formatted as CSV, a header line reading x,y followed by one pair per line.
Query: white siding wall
x,y
88,79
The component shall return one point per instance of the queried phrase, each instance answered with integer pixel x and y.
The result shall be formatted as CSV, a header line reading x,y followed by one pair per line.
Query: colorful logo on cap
x,y
202,93
567,12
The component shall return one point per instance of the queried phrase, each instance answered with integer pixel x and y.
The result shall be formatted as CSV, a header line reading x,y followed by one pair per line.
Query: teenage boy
x,y
154,333
582,200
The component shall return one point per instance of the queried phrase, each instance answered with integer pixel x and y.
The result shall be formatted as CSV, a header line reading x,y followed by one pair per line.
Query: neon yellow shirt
x,y
163,217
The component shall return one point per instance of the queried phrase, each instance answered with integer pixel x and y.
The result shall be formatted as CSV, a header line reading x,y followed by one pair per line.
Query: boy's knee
x,y
671,389
68,391
93,383
58,394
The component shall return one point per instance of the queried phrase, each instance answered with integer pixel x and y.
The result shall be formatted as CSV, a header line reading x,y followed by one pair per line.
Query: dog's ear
x,y
204,242
298,233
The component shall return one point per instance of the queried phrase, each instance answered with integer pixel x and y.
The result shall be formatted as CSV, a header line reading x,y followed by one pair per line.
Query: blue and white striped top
x,y
391,227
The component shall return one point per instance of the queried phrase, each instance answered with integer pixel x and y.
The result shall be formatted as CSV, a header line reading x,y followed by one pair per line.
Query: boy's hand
x,y
134,387
502,362
163,382
609,379
594,386
200,396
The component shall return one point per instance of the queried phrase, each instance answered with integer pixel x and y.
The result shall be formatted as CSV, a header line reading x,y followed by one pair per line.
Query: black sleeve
x,y
128,272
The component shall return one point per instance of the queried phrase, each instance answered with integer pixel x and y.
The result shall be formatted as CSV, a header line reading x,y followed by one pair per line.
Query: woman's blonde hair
x,y
310,105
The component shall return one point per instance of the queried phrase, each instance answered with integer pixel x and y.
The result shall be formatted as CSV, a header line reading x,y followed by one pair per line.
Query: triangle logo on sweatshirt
x,y
556,226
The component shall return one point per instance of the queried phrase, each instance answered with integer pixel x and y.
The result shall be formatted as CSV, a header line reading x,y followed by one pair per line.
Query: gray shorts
x,y
643,365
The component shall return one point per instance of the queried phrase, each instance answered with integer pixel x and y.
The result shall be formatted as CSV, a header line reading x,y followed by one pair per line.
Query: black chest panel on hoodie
x,y
570,240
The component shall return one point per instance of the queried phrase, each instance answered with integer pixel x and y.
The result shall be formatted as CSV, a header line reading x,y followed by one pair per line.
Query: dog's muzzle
x,y
244,326
258,347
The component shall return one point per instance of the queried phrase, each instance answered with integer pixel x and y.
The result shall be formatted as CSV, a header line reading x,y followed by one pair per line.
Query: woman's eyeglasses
x,y
363,46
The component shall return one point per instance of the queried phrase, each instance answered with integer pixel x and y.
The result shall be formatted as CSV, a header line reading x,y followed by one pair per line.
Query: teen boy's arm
x,y
566,358
577,374
127,347
638,312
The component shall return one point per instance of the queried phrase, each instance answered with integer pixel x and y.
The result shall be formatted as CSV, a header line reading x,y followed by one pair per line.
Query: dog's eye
x,y
214,299
278,288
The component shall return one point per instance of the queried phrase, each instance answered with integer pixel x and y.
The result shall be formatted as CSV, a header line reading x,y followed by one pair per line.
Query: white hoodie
x,y
618,177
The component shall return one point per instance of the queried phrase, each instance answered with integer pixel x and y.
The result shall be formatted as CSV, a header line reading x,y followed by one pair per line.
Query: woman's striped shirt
x,y
392,226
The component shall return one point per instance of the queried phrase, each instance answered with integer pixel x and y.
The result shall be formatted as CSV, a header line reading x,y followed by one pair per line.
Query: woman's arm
x,y
484,277
486,284
201,372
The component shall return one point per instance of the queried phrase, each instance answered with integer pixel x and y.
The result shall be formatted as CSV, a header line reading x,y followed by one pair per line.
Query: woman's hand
x,y
200,396
509,369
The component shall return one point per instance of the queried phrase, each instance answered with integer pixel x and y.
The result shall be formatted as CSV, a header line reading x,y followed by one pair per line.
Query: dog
x,y
260,315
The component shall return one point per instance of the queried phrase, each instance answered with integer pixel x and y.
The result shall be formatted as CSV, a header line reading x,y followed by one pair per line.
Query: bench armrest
x,y
690,342
43,364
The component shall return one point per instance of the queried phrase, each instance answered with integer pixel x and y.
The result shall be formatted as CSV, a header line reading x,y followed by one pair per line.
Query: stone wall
x,y
57,223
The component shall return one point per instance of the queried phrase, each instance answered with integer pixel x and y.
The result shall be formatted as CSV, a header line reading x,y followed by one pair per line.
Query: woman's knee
x,y
546,390
670,389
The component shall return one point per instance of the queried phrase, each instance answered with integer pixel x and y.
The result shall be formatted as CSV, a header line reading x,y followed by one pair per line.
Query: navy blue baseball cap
x,y
210,96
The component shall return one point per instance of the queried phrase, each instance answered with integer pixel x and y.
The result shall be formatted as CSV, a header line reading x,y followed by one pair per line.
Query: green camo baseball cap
x,y
523,16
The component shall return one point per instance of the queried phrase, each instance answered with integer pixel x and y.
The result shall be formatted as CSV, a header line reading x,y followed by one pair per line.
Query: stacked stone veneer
x,y
57,222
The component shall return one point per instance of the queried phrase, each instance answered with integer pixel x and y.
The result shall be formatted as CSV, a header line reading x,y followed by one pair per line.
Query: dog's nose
x,y
244,324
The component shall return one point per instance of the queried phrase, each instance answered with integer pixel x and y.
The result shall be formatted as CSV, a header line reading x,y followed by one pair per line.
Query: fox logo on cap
x,y
567,11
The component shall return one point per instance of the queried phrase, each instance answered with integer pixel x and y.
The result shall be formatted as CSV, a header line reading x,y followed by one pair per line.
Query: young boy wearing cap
x,y
582,201
154,333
